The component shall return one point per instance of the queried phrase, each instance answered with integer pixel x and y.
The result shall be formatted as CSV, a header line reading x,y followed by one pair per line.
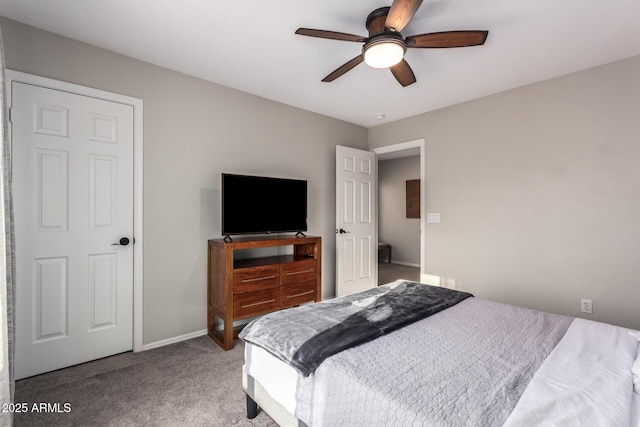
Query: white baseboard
x,y
173,340
408,264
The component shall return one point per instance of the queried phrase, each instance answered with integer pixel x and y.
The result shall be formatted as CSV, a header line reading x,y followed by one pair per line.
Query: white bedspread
x,y
585,381
568,389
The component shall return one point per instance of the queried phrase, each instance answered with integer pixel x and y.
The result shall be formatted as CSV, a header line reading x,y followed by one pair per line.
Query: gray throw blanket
x,y
305,336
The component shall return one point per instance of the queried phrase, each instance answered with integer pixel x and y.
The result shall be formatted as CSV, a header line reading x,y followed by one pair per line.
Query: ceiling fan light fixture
x,y
385,46
385,52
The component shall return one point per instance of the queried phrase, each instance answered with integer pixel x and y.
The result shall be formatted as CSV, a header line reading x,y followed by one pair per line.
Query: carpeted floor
x,y
191,383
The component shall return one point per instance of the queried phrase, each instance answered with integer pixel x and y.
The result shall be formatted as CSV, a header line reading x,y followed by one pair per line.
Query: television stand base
x,y
243,283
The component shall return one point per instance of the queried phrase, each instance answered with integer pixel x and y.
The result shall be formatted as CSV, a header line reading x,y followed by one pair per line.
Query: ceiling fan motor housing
x,y
389,37
376,21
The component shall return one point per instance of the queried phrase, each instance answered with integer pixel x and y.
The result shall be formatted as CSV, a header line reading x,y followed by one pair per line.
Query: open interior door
x,y
356,222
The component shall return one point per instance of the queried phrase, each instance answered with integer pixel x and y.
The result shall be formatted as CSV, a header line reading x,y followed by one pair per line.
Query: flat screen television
x,y
263,205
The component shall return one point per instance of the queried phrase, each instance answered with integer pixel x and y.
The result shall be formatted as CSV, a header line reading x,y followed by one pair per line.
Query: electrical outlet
x,y
586,306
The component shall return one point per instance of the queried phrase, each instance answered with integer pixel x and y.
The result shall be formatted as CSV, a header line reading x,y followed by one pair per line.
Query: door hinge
x,y
11,114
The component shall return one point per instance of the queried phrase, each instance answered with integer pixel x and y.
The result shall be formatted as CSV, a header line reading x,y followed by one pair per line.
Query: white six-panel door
x,y
73,198
356,225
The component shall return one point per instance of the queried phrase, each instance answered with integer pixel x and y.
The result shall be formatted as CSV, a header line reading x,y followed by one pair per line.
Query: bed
x,y
470,362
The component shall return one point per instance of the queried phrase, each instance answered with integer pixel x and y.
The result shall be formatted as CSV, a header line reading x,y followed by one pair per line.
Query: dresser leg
x,y
228,332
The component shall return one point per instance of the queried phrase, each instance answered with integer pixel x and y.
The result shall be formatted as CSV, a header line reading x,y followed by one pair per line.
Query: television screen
x,y
257,204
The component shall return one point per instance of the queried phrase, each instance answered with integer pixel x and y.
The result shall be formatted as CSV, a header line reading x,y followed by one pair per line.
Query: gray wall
x,y
539,192
393,225
193,131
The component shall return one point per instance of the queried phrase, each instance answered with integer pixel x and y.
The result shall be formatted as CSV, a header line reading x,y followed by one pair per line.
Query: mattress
x,y
276,377
308,399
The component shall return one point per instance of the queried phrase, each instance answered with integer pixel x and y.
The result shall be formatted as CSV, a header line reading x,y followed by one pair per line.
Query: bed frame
x,y
258,398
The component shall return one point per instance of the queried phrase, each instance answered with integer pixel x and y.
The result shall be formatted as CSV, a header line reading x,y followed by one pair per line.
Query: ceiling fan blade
x,y
448,39
333,35
401,13
403,73
344,68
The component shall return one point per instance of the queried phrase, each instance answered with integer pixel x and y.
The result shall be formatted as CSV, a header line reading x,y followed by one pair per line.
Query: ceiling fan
x,y
385,47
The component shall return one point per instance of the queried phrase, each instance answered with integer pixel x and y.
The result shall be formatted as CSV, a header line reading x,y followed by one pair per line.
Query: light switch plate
x,y
433,217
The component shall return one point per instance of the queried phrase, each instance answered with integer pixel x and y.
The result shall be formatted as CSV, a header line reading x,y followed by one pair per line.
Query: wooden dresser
x,y
240,287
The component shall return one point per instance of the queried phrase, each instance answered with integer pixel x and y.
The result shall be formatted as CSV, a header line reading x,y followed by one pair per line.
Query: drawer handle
x,y
258,279
258,303
293,273
299,295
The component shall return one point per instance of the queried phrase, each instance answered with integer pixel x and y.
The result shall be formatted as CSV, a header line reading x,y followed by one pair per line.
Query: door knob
x,y
123,242
342,231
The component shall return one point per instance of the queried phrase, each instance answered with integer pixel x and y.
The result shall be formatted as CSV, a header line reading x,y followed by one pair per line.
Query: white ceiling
x,y
251,46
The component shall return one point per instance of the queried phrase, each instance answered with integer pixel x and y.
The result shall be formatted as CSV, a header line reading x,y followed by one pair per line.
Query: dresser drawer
x,y
301,293
253,303
298,272
255,278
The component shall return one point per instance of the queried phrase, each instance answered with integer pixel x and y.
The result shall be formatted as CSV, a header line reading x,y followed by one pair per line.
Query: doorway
x,y
401,240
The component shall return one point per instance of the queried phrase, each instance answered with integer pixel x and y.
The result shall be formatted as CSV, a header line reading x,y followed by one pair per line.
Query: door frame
x,y
420,146
137,104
